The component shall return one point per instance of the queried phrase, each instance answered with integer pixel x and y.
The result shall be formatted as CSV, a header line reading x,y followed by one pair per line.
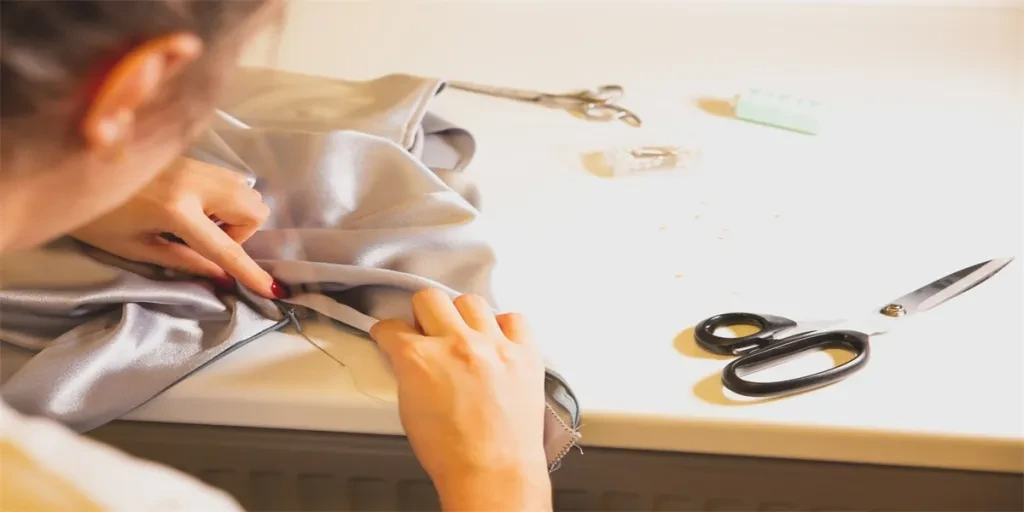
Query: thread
x,y
290,313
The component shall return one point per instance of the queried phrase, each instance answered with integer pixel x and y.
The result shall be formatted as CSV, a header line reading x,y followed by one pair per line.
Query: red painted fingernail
x,y
279,290
224,284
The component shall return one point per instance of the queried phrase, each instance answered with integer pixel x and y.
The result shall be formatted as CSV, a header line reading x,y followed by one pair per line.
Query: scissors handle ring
x,y
767,325
787,348
603,94
603,111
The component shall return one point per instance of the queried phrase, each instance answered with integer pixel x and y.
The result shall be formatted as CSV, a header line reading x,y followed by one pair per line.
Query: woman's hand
x,y
471,399
187,200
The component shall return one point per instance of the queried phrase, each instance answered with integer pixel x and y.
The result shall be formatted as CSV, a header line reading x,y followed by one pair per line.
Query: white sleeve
x,y
109,479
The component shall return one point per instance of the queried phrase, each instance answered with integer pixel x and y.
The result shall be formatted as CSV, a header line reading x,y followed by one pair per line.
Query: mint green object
x,y
779,110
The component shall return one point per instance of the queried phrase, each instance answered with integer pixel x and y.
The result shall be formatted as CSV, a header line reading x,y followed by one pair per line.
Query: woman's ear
x,y
129,84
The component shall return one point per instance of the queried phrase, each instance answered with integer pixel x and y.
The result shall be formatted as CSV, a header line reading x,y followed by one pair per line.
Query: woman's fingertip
x,y
189,43
513,325
375,330
380,331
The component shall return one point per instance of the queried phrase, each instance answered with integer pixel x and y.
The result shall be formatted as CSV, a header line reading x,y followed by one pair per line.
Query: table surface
x,y
917,173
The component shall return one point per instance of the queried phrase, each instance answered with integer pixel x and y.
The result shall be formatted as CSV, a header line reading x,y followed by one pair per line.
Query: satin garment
x,y
369,202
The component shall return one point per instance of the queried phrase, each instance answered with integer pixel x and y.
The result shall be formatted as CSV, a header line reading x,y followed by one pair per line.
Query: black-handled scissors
x,y
779,339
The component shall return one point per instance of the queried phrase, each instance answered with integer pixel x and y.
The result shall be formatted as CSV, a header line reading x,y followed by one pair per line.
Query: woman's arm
x,y
523,488
471,399
46,467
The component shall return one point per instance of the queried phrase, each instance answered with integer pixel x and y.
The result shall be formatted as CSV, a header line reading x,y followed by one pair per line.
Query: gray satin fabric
x,y
369,201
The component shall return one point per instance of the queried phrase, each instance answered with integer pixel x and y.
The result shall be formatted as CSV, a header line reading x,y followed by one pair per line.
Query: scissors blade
x,y
940,291
498,92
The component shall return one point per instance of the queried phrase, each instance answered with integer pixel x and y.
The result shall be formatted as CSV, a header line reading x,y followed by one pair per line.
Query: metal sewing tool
x,y
623,162
599,104
289,312
779,339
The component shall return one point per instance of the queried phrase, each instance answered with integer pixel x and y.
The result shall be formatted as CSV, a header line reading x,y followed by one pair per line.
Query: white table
x,y
917,174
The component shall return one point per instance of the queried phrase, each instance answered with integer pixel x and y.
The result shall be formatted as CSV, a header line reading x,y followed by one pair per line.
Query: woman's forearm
x,y
506,491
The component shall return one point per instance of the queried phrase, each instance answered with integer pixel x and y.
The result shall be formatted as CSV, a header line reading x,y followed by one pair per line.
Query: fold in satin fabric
x,y
369,201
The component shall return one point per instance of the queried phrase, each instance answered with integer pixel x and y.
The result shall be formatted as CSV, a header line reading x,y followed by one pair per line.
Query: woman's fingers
x,y
435,313
391,334
242,212
477,313
210,241
178,204
514,326
171,255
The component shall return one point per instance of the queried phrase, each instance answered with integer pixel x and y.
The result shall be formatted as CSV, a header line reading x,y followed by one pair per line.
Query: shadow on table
x,y
710,388
716,106
597,164
686,345
350,361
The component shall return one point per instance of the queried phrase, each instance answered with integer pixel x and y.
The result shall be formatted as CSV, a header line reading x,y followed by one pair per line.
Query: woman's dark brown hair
x,y
49,50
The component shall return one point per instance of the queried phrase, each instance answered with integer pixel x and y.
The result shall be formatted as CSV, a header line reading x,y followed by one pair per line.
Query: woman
x,y
97,100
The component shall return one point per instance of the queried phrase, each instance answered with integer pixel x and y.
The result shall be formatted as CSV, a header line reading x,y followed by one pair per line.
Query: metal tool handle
x,y
785,349
608,112
767,326
498,92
